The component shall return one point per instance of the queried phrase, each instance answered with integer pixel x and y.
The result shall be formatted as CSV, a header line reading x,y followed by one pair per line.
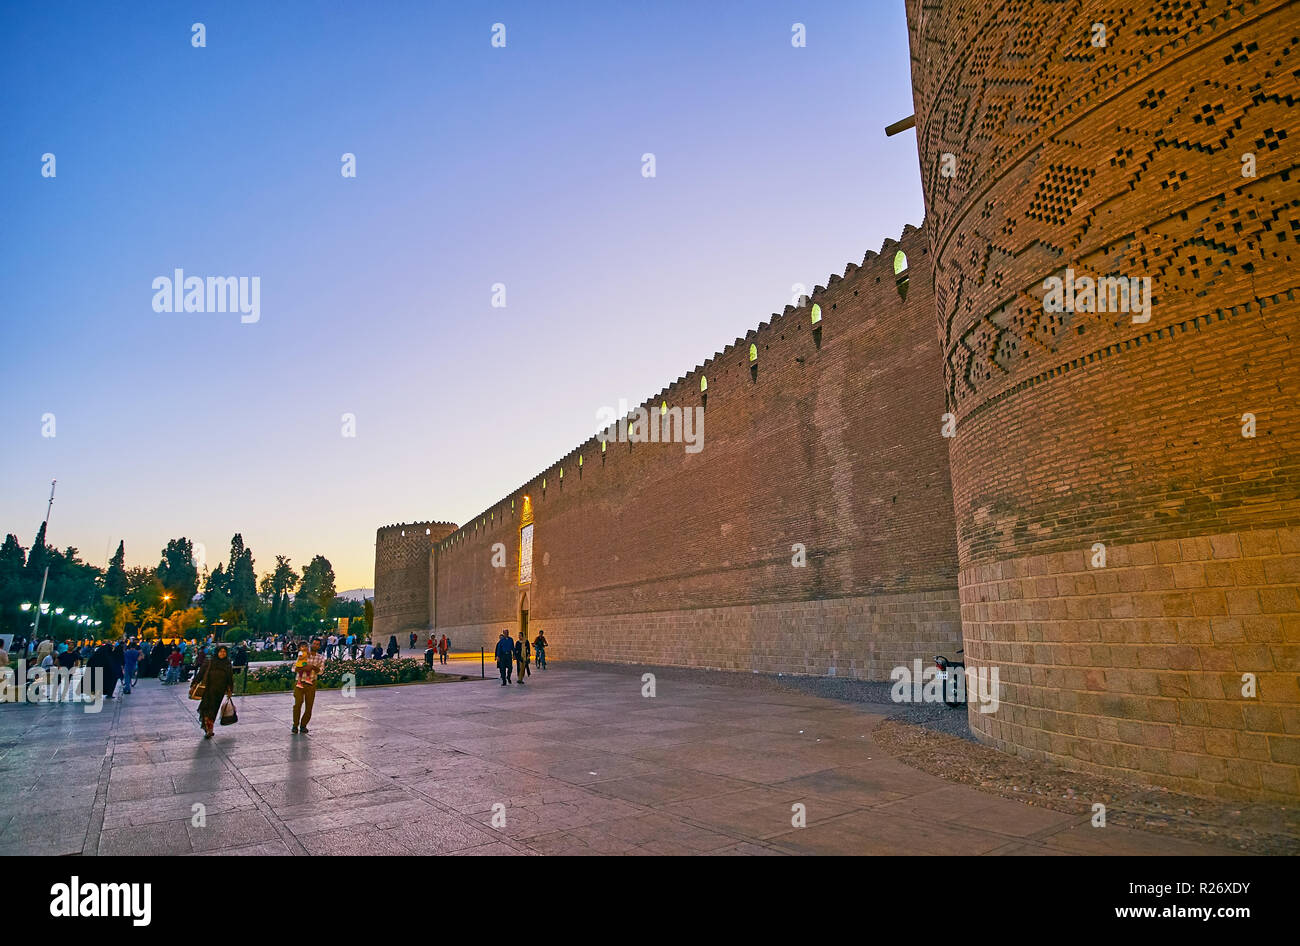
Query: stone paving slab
x,y
578,762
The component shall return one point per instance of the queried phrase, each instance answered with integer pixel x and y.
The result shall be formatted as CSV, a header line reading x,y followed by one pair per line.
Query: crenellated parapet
x,y
732,370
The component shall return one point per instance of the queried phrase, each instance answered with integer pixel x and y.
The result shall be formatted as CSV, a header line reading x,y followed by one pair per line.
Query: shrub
x,y
366,673
236,634
259,656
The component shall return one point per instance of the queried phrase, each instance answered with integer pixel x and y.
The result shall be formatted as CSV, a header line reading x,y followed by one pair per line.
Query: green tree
x,y
149,621
242,580
216,599
126,617
182,622
277,584
77,587
345,608
284,577
143,586
37,559
13,560
315,592
237,551
369,618
178,573
276,624
115,577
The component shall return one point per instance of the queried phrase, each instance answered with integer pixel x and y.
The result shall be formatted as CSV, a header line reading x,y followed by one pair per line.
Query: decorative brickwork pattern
x,y
1073,428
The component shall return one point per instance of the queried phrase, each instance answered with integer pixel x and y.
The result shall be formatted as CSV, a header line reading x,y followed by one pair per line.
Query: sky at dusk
x,y
475,165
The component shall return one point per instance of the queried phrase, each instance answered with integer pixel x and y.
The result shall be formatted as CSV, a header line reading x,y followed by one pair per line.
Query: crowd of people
x,y
213,668
178,660
349,647
117,663
121,663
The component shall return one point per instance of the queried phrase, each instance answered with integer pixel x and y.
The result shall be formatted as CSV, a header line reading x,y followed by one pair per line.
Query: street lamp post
x,y
25,607
41,606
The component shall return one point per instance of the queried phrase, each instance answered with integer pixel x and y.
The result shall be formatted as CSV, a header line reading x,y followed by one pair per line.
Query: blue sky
x,y
475,165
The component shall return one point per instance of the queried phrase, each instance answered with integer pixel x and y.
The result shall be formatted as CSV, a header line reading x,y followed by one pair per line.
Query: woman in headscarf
x,y
149,659
218,679
392,646
119,663
102,657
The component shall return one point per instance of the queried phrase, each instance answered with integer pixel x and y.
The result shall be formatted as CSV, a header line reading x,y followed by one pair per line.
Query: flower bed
x,y
364,673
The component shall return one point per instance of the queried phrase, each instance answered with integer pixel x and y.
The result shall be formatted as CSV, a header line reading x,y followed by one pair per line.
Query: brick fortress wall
x,y
403,552
645,553
1081,428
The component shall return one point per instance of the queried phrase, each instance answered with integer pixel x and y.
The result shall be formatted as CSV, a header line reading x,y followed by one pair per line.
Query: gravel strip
x,y
1237,826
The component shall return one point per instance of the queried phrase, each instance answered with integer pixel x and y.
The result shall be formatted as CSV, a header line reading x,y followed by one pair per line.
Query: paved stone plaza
x,y
582,762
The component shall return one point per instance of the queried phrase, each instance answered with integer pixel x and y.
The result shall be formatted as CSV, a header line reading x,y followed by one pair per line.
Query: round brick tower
x,y
1126,463
402,569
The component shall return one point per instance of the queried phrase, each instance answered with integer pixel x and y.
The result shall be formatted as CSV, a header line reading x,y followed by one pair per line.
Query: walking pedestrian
x,y
119,661
442,649
505,654
539,645
218,681
239,663
130,663
392,646
306,670
413,640
47,674
520,658
69,660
